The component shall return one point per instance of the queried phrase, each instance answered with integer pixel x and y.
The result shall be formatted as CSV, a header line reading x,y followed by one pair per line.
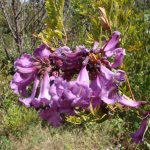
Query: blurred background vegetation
x,y
72,22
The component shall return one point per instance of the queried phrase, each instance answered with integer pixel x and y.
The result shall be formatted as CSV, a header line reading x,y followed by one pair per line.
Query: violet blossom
x,y
32,69
65,96
138,136
63,80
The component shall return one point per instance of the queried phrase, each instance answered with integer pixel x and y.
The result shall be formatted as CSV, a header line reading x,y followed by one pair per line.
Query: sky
x,y
24,0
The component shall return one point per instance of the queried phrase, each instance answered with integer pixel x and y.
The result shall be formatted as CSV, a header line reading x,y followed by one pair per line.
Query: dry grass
x,y
75,138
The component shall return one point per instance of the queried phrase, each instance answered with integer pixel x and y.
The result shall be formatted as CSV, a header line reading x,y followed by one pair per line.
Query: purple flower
x,y
138,136
42,52
95,46
81,89
66,96
96,90
44,94
112,44
49,79
68,59
27,101
108,82
25,65
77,92
59,104
62,97
124,100
111,49
20,83
32,69
23,78
119,56
52,116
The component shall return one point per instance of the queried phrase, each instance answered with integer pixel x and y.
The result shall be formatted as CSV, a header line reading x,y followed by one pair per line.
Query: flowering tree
x,y
60,82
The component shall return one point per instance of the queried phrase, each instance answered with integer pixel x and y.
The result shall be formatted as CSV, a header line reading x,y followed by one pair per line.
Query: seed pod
x,y
104,20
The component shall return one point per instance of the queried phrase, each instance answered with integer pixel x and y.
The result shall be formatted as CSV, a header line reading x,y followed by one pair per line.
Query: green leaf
x,y
54,22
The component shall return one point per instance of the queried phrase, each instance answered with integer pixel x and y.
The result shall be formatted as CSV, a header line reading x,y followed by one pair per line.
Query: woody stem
x,y
128,83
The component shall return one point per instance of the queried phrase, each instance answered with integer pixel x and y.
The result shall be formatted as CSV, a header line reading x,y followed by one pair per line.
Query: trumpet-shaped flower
x,y
32,69
138,136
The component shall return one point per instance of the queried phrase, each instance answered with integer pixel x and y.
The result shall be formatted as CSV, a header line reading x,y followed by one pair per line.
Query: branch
x,y
5,49
27,24
7,18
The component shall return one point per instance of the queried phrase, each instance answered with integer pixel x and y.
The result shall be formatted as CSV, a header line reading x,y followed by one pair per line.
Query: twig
x,y
5,49
128,83
7,18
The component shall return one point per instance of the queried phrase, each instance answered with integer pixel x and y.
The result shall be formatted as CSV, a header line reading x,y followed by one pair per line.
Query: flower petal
x,y
108,74
42,52
52,116
138,136
83,77
44,96
45,85
20,82
124,100
24,61
95,46
112,44
96,86
119,56
25,70
119,75
109,96
27,101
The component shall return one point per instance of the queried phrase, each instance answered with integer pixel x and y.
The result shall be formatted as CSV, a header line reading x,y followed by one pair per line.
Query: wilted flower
x,y
103,17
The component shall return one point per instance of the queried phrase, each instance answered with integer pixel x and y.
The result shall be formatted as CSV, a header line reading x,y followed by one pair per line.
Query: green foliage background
x,y
76,22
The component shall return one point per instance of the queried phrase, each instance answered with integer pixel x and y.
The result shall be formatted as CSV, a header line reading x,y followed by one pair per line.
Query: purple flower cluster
x,y
58,82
